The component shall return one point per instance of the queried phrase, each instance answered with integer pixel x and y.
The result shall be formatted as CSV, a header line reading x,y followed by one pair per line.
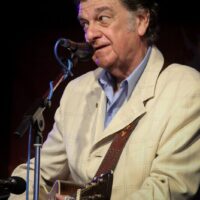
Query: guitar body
x,y
99,188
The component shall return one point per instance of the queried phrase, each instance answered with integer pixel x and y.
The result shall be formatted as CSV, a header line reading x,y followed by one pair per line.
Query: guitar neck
x,y
98,189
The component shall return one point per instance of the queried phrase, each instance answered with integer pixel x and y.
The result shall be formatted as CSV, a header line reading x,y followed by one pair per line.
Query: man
x,y
161,159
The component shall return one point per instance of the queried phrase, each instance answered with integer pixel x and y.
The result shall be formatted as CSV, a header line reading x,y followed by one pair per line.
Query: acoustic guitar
x,y
98,189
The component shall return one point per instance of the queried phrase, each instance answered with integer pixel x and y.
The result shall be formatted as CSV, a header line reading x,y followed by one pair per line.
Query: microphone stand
x,y
39,127
38,122
34,118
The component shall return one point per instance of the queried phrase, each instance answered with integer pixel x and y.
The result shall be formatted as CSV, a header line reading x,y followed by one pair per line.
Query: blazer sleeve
x,y
175,171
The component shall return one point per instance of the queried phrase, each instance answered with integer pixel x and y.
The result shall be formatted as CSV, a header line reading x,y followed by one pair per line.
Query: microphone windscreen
x,y
18,186
83,51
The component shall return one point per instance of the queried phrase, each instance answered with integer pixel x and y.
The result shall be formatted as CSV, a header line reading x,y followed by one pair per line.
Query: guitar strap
x,y
112,156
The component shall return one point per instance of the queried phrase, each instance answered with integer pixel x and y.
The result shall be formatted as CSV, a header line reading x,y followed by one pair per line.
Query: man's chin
x,y
103,63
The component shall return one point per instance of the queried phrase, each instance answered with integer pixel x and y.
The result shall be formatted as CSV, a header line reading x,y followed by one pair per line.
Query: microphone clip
x,y
73,52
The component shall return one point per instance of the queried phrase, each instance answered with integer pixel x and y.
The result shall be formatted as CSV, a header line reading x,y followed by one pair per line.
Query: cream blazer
x,y
161,160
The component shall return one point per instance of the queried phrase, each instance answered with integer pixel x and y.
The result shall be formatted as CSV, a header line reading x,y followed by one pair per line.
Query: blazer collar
x,y
147,83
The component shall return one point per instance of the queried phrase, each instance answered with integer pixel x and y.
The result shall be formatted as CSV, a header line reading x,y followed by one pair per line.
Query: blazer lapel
x,y
128,113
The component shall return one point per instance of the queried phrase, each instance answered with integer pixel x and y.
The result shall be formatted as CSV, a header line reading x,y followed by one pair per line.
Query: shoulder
x,y
178,84
179,69
85,80
181,76
81,85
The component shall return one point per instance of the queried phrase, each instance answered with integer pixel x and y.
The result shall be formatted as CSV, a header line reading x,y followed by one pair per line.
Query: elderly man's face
x,y
113,31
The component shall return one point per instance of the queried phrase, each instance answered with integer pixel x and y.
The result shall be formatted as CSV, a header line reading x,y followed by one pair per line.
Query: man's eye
x,y
84,25
103,18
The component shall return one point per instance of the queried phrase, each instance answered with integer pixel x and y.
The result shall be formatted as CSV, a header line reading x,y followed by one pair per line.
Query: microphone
x,y
83,51
13,184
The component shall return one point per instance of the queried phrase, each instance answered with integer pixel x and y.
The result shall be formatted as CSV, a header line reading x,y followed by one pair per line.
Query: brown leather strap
x,y
112,156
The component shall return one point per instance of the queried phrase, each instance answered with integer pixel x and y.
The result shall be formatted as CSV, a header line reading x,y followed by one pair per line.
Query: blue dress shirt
x,y
116,99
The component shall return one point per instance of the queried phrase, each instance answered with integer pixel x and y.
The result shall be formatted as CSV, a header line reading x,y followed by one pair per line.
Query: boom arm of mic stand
x,y
34,114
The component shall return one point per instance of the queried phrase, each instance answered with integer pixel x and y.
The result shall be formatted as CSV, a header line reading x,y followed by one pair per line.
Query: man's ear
x,y
143,18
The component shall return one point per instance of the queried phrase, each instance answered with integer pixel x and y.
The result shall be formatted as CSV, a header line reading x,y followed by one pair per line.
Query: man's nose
x,y
92,33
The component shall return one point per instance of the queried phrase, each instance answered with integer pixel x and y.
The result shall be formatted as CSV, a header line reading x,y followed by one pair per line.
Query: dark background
x,y
29,31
